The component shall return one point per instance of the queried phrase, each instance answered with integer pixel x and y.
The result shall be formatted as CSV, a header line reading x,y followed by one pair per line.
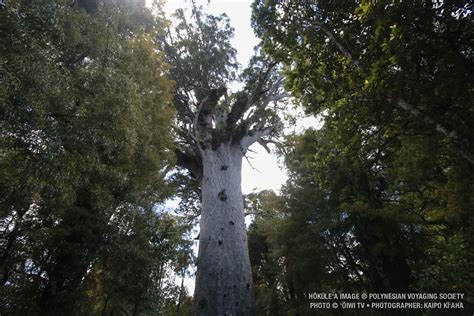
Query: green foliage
x,y
84,149
132,272
374,54
199,50
350,221
380,194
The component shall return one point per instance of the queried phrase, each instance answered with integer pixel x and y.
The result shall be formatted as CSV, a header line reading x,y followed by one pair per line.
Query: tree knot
x,y
222,196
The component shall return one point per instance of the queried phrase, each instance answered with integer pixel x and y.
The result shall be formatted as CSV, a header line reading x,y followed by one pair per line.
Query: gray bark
x,y
224,278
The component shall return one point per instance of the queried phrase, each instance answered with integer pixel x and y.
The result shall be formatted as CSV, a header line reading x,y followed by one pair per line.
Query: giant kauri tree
x,y
215,128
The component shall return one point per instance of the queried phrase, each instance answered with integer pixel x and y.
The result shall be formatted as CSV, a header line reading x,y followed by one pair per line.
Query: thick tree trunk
x,y
224,278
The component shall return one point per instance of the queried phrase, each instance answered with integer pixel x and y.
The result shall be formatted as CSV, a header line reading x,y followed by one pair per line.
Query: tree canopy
x,y
85,147
203,67
377,199
413,58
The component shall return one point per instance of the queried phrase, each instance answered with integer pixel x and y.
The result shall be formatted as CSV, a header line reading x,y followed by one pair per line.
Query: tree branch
x,y
400,102
450,134
264,145
188,159
252,137
244,103
272,96
342,48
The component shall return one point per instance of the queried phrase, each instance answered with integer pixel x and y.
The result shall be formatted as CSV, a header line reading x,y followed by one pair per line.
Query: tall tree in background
x,y
214,131
84,148
381,191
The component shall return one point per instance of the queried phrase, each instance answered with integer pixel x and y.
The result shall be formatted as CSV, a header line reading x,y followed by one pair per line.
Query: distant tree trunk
x,y
135,308
6,254
104,309
224,278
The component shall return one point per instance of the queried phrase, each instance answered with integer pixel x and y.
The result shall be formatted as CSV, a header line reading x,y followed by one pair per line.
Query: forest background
x,y
378,199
